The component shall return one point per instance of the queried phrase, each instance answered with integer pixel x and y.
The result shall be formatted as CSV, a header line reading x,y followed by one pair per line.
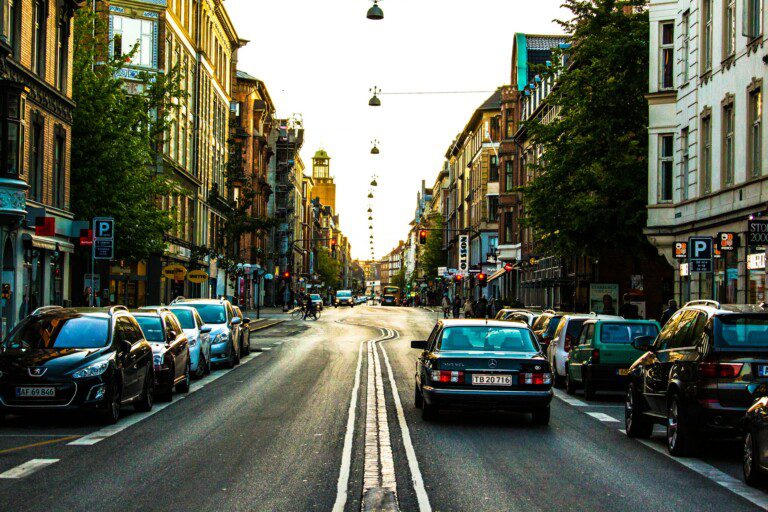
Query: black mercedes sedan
x,y
84,359
479,364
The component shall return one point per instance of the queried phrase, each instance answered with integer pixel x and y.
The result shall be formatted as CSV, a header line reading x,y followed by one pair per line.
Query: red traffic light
x,y
459,277
286,275
508,267
423,236
482,277
333,242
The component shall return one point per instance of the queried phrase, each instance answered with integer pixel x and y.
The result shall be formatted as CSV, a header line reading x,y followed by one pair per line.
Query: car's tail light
x,y
568,343
720,370
535,378
447,376
595,356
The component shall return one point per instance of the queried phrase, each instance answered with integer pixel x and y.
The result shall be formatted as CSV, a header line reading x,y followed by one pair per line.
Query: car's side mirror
x,y
643,343
246,321
172,335
205,329
419,344
236,320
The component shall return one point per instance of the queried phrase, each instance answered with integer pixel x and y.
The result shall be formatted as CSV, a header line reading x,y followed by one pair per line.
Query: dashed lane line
x,y
603,417
26,469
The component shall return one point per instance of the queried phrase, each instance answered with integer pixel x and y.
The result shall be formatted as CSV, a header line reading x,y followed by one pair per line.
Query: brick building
x,y
36,107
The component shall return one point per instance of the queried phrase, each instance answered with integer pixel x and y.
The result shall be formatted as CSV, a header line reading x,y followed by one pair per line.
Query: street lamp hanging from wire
x,y
375,13
375,101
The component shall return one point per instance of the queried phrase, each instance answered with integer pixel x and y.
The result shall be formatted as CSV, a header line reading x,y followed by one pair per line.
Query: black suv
x,y
85,359
695,374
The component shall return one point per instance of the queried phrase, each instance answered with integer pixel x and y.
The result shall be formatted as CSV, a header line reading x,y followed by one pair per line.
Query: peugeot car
x,y
83,359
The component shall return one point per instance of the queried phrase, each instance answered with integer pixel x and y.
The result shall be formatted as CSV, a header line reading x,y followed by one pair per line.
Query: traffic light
x,y
482,280
459,277
333,247
508,267
423,236
286,276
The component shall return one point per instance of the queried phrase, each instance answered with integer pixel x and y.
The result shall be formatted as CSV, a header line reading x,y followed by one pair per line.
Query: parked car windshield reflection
x,y
488,339
152,328
186,318
741,332
211,313
625,333
79,332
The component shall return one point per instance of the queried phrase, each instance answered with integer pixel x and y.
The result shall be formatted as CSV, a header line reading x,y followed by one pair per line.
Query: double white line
x,y
379,467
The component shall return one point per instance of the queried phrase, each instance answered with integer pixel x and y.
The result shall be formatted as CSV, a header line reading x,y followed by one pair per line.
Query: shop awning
x,y
47,243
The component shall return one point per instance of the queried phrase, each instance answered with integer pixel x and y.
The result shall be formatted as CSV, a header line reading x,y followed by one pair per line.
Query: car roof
x,y
470,322
149,312
602,319
199,301
100,312
713,308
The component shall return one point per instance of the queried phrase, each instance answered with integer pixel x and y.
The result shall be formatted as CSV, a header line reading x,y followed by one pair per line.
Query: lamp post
x,y
375,13
375,101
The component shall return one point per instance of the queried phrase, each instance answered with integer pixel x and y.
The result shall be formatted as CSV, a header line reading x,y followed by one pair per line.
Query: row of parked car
x,y
101,359
702,375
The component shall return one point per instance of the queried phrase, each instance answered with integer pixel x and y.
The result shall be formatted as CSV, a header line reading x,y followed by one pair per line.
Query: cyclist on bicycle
x,y
309,308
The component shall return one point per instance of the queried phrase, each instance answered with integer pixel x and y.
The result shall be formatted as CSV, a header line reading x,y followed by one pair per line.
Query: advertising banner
x,y
604,298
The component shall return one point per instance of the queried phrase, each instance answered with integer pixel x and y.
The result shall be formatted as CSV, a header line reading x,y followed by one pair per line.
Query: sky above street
x,y
320,58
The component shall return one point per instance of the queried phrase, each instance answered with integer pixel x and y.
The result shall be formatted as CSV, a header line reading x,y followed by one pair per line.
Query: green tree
x,y
590,189
399,279
432,254
115,137
328,268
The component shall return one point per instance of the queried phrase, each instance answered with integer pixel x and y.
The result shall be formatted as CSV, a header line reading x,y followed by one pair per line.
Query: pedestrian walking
x,y
481,308
469,308
492,308
456,307
628,310
446,306
667,314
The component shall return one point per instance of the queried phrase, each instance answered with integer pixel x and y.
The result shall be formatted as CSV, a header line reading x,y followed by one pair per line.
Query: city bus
x,y
394,291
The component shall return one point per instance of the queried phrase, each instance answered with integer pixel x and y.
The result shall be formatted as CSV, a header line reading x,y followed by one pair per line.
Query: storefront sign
x,y
603,298
700,253
681,250
463,254
757,232
175,272
684,270
756,261
727,242
442,271
45,226
197,276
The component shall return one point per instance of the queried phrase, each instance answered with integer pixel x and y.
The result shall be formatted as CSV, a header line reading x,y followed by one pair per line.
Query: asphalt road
x,y
313,423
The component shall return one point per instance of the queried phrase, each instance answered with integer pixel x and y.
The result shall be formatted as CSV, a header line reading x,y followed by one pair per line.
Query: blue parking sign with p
x,y
701,250
103,227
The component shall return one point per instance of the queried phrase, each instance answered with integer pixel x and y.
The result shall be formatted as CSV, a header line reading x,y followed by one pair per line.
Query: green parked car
x,y
601,358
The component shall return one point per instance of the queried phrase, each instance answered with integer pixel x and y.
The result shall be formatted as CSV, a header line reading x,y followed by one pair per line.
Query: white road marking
x,y
410,453
734,485
569,399
383,465
346,453
101,434
603,417
28,468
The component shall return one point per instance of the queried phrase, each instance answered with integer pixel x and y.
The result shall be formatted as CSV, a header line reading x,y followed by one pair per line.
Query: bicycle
x,y
297,314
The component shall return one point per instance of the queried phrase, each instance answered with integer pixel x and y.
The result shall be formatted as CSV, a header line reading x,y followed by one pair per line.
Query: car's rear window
x,y
540,322
152,327
487,339
741,332
314,296
625,333
57,332
574,327
343,294
186,318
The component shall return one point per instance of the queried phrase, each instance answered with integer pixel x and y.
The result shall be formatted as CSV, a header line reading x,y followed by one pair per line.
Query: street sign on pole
x,y
463,254
103,238
700,253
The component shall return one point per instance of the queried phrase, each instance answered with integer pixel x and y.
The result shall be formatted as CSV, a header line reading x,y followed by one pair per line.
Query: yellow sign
x,y
197,276
175,272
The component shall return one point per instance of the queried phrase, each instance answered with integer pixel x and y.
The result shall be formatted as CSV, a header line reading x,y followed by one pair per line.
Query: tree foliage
x,y
115,137
590,188
400,279
328,268
432,254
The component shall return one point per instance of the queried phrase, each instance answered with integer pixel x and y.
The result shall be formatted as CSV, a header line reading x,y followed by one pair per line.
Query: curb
x,y
266,324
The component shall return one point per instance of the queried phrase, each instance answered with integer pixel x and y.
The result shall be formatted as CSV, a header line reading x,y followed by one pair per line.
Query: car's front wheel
x,y
201,366
559,380
680,434
753,475
146,401
541,416
111,414
635,424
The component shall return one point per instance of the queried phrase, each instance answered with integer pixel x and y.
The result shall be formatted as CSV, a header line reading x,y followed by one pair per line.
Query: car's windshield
x,y
211,313
552,326
344,294
625,333
186,318
152,327
314,296
741,332
57,332
486,339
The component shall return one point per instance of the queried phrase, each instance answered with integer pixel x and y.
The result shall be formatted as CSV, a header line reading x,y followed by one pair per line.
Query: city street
x,y
324,413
